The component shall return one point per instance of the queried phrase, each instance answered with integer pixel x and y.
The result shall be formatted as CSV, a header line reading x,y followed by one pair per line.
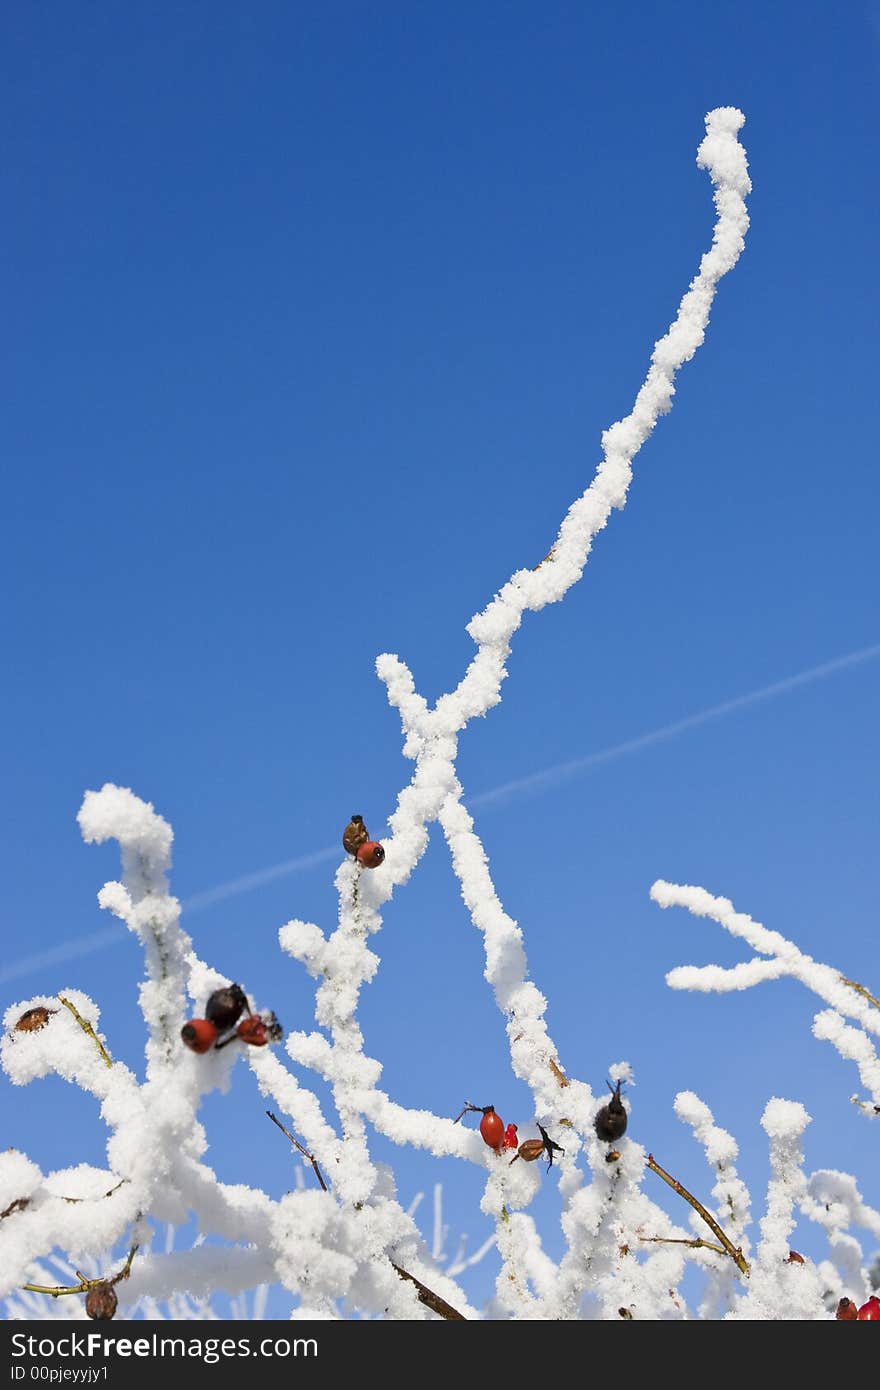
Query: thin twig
x,y
18,1204
734,1251
860,989
109,1193
430,1299
84,1284
302,1149
87,1028
696,1244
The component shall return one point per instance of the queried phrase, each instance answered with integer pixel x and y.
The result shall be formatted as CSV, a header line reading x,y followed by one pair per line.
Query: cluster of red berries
x,y
356,840
499,1138
848,1312
221,1025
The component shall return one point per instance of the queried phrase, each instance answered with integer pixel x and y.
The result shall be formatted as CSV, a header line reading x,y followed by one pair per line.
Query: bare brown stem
x,y
73,1201
430,1299
860,989
88,1029
59,1290
696,1244
734,1251
301,1148
18,1204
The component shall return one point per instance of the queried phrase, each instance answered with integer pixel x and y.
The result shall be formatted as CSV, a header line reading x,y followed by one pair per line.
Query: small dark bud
x,y
101,1301
226,1006
612,1155
32,1020
624,1313
610,1123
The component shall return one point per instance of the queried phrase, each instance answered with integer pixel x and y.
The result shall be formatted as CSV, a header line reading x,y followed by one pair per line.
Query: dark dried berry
x,y
846,1311
610,1123
34,1019
226,1006
370,854
794,1258
101,1301
354,835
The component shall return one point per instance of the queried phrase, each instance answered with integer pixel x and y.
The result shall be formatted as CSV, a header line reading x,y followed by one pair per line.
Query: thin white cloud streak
x,y
548,776
560,772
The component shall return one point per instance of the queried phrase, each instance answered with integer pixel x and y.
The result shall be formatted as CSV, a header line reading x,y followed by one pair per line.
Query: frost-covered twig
x,y
87,1029
735,1252
301,1149
784,958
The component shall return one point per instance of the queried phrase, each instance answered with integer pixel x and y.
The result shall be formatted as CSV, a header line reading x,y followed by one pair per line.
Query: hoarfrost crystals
x,y
354,1248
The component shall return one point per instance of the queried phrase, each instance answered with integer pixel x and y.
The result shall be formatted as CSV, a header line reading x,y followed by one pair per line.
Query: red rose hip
x,y
370,854
492,1128
260,1029
870,1311
199,1034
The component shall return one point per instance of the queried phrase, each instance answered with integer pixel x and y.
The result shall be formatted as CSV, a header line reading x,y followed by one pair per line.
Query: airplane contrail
x,y
548,776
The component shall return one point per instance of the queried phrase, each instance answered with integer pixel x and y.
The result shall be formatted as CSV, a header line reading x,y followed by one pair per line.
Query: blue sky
x,y
315,317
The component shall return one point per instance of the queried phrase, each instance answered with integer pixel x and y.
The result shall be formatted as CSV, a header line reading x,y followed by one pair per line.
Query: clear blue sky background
x,y
315,314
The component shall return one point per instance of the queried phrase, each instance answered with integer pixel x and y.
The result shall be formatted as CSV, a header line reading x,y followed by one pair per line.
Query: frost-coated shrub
x,y
350,1247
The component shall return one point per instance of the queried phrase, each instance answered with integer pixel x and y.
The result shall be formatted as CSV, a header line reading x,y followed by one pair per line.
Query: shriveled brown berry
x,y
354,835
794,1258
531,1149
846,1311
612,1156
624,1313
101,1301
33,1019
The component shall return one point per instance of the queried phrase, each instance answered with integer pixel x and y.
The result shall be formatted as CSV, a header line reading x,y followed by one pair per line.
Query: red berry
x,y
226,1006
199,1034
870,1311
492,1128
260,1029
370,854
510,1139
846,1311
